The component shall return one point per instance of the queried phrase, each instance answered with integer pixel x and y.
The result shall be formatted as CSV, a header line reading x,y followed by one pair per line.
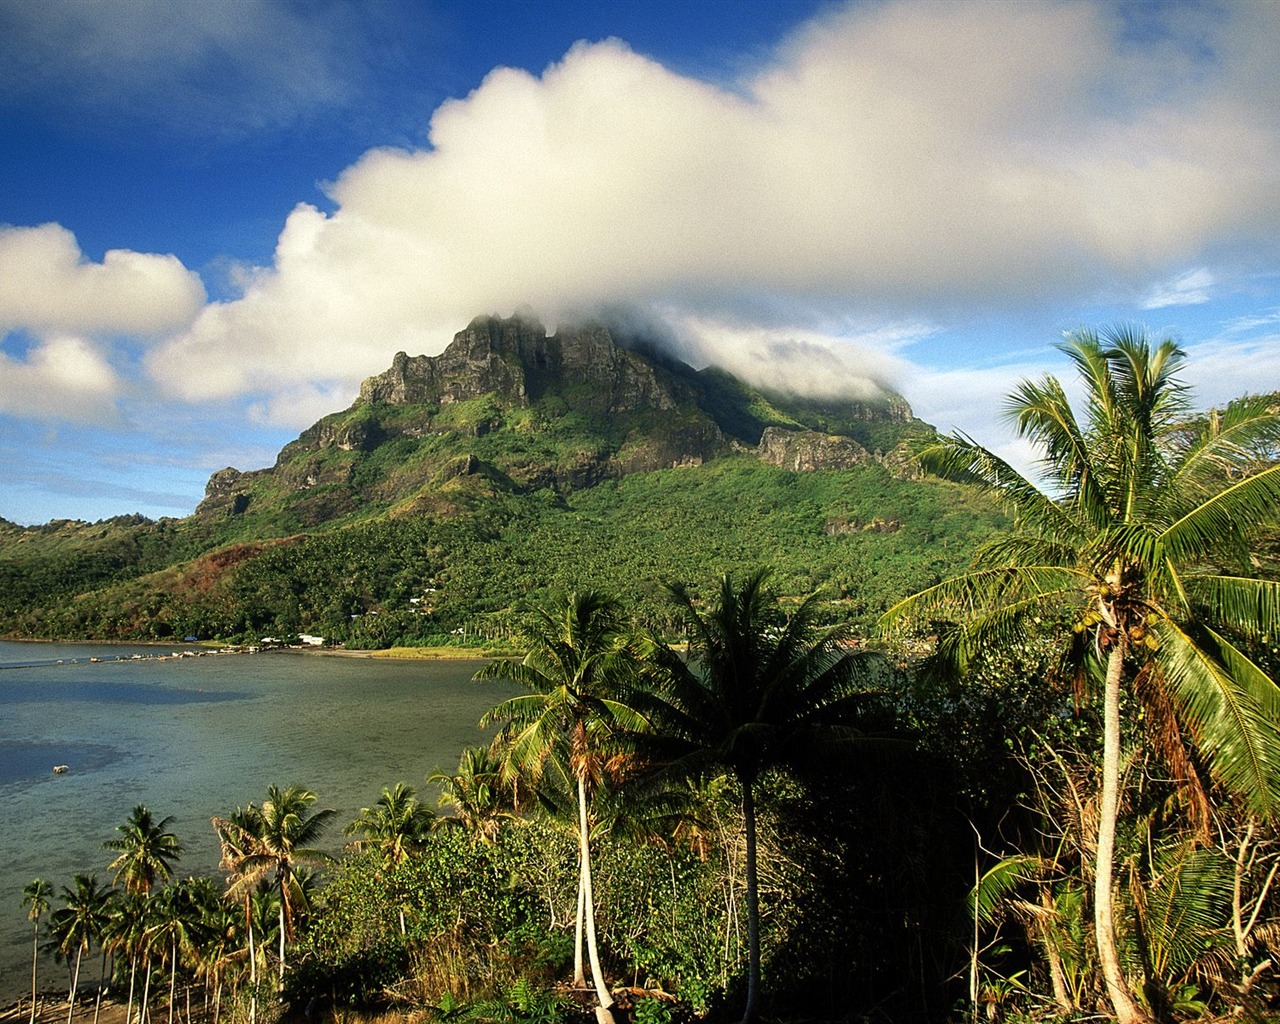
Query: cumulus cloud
x,y
299,406
46,285
62,378
895,162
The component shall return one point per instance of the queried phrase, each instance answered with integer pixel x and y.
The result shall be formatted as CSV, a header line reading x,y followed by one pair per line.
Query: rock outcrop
x,y
803,451
516,360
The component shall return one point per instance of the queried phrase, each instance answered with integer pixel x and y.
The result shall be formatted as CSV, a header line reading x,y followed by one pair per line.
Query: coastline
x,y
53,1008
205,648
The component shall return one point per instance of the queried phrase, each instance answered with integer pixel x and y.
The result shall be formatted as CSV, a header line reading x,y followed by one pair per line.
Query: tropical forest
x,y
810,712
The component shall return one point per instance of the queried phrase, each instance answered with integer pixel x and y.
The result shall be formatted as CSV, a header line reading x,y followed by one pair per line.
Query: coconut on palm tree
x,y
1147,511
558,731
756,690
147,852
35,897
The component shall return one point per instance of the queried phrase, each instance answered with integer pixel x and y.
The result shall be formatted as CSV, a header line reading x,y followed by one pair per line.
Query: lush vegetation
x,y
864,536
721,803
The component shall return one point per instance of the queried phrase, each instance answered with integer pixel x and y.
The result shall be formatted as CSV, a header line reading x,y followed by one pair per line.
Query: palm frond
x,y
1249,606
984,592
962,459
1245,505
1231,728
1230,442
1000,881
1189,899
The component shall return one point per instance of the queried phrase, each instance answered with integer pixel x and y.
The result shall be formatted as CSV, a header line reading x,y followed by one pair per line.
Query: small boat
x,y
60,769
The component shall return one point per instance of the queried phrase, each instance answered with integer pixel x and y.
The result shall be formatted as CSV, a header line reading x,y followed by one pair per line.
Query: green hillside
x,y
461,488
863,536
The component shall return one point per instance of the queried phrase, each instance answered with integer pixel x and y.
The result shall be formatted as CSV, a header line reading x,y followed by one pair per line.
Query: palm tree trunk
x,y
144,1010
133,973
253,964
752,1012
75,982
102,979
282,898
35,954
173,974
579,975
1126,1007
602,990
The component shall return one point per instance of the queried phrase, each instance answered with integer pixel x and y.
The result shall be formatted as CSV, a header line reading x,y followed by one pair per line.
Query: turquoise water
x,y
196,737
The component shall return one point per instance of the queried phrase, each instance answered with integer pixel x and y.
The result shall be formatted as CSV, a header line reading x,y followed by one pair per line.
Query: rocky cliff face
x,y
516,360
803,451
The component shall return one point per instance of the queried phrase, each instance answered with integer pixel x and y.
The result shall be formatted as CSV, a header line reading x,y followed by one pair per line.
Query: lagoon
x,y
198,737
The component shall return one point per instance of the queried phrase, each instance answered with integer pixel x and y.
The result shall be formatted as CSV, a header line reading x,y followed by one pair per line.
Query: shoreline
x,y
53,1008
209,647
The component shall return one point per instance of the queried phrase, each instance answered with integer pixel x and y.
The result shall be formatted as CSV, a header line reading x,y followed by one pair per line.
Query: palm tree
x,y
147,851
126,931
273,840
395,825
757,690
219,950
237,842
77,924
111,909
175,928
559,730
1147,508
35,897
474,794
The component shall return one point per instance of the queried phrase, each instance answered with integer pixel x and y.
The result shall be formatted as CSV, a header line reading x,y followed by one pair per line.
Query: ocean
x,y
196,737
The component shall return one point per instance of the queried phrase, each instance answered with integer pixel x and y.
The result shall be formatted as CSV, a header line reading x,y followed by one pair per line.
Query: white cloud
x,y
896,163
63,378
46,285
798,360
1189,289
1221,369
301,406
1252,322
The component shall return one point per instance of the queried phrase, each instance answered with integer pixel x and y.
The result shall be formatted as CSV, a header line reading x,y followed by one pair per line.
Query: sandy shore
x,y
53,1010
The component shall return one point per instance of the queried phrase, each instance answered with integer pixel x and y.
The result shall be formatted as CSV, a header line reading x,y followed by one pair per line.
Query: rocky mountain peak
x,y
506,405
515,360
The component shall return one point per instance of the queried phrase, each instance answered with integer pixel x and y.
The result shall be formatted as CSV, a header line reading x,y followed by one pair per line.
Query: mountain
x,y
527,411
458,488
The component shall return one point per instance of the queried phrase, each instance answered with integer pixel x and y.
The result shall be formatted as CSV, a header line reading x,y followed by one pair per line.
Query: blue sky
x,y
217,218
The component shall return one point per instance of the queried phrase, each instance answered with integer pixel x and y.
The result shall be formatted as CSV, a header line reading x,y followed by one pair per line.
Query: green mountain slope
x,y
461,487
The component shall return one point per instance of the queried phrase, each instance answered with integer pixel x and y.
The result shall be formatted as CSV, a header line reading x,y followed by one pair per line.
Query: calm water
x,y
195,737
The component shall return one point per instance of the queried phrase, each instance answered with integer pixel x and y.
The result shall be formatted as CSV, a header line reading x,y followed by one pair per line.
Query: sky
x,y
217,218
